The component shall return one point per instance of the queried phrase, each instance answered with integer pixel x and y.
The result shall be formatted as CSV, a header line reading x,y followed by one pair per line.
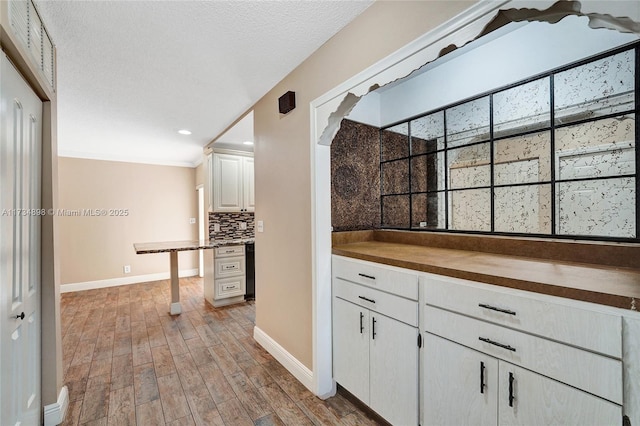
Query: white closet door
x,y
20,164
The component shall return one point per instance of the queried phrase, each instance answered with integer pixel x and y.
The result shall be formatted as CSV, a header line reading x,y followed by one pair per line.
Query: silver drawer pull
x,y
229,267
493,308
502,345
367,276
230,287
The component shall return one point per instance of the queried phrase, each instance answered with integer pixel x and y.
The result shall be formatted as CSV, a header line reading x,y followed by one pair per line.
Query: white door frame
x,y
326,113
202,234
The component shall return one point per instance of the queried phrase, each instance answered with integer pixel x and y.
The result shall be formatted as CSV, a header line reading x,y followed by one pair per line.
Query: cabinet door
x,y
453,391
393,370
249,196
539,400
351,348
227,183
209,183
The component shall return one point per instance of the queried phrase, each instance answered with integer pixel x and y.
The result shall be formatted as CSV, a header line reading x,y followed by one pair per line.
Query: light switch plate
x,y
242,225
260,226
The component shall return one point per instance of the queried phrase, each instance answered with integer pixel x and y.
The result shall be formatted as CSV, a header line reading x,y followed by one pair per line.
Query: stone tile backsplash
x,y
230,225
355,177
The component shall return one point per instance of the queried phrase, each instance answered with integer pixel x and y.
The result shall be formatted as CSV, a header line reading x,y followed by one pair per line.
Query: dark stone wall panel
x,y
355,177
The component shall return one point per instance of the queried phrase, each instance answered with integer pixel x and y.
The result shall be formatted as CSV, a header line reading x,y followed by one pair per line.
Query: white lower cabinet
x,y
461,384
482,372
351,347
464,386
490,355
528,398
226,284
393,365
375,346
376,359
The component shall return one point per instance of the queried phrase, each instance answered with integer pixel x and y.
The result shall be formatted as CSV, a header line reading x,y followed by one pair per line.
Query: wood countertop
x,y
603,284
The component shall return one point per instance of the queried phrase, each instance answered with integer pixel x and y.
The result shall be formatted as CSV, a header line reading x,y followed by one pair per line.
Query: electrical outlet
x,y
127,269
260,226
192,220
423,224
242,225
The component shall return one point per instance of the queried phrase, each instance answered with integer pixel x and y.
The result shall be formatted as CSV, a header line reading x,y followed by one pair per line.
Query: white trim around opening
x,y
459,30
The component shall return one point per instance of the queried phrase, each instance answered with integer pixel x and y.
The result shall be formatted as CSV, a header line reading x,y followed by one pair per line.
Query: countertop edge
x,y
570,292
161,247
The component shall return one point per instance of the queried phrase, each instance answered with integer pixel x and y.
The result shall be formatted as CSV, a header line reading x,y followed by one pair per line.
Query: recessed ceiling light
x,y
248,143
184,132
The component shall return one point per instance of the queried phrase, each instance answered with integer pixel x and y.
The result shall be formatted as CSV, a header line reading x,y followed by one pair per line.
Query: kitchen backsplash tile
x,y
230,225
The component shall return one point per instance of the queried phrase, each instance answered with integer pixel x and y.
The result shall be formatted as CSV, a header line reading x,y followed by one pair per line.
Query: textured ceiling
x,y
132,73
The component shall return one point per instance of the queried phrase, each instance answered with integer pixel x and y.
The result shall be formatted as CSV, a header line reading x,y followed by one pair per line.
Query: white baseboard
x,y
291,363
54,413
113,282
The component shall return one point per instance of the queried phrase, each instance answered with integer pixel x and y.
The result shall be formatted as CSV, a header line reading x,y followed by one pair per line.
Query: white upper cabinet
x,y
248,186
233,186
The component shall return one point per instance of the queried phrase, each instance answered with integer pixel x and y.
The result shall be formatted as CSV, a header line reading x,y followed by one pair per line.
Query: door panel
x,y
20,164
542,401
351,348
452,393
393,370
249,185
227,179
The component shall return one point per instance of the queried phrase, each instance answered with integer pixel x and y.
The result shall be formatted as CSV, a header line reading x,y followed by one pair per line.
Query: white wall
x,y
367,110
515,55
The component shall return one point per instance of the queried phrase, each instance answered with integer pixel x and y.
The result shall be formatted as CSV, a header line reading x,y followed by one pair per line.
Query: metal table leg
x,y
175,289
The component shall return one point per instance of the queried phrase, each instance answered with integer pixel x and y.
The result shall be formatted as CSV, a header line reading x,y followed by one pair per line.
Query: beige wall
x,y
160,201
283,193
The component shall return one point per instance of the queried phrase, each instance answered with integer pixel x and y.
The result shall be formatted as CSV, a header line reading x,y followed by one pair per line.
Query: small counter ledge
x,y
564,269
173,247
169,246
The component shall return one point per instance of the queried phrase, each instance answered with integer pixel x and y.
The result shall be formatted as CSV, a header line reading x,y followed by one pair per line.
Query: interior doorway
x,y
201,228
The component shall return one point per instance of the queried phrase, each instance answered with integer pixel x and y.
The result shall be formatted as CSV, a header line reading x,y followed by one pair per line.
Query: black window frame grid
x,y
491,140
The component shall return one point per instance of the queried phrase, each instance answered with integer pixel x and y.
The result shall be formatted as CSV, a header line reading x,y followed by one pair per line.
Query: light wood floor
x,y
127,361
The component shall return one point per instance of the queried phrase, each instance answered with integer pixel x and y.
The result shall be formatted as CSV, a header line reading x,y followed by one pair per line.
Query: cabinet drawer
x,y
594,373
229,266
229,287
385,278
597,331
387,304
228,251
